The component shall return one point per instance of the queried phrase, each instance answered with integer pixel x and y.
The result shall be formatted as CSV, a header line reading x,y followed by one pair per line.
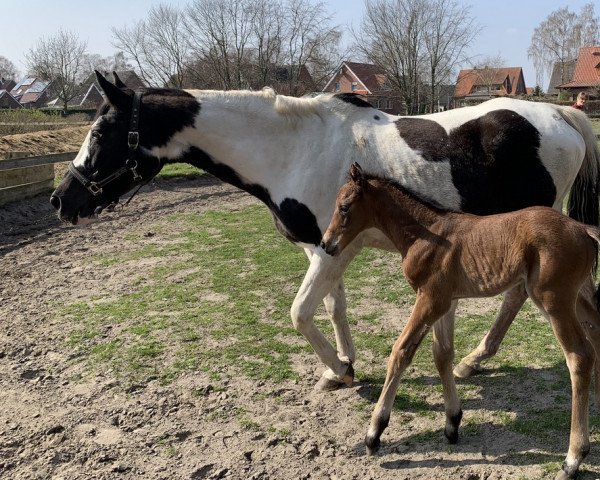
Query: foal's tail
x,y
585,191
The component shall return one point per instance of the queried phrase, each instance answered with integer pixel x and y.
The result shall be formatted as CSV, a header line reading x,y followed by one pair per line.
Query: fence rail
x,y
36,161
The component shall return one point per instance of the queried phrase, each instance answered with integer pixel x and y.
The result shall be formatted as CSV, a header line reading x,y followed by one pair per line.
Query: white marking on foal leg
x,y
512,303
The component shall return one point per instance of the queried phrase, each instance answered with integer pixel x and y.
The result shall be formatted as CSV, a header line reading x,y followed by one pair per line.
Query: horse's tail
x,y
584,196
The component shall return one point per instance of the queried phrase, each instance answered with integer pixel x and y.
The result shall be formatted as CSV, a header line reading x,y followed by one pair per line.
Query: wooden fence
x,y
23,176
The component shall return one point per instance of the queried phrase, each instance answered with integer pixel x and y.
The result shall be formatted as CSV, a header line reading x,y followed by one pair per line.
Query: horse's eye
x,y
344,209
97,135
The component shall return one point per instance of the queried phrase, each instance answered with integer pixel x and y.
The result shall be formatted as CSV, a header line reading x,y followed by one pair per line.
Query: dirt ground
x,y
54,428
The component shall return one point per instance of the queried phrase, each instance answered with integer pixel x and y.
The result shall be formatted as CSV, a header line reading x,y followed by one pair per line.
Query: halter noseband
x,y
133,142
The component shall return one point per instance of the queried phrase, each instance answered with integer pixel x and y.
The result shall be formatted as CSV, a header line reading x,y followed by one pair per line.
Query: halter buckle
x,y
94,188
133,140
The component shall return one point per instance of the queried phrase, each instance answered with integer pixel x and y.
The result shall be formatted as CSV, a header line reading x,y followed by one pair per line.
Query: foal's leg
x,y
580,360
443,356
324,276
589,318
425,312
512,303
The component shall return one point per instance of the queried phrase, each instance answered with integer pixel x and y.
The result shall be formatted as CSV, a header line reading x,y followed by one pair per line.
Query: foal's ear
x,y
356,173
118,98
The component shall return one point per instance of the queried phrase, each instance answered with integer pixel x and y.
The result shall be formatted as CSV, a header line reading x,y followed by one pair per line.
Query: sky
x,y
506,27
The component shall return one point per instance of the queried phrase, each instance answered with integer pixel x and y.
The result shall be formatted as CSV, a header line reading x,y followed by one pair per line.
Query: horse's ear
x,y
118,82
356,173
114,95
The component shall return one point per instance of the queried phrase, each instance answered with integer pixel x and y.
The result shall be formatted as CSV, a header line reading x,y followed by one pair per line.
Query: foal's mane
x,y
397,187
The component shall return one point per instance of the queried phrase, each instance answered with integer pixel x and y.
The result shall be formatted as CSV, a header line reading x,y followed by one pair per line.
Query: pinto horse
x,y
449,255
293,155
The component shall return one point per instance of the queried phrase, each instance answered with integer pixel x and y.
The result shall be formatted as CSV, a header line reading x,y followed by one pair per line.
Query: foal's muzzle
x,y
329,247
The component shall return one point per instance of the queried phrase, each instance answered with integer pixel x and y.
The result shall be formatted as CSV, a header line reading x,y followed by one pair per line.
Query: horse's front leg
x,y
512,303
324,277
335,305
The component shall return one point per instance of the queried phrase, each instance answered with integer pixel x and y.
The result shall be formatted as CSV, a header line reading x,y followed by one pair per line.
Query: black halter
x,y
133,142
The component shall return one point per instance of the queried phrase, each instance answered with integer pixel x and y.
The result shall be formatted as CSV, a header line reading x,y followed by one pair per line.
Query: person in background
x,y
580,102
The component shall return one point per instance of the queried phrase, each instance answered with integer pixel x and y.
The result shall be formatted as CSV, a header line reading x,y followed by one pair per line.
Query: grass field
x,y
221,300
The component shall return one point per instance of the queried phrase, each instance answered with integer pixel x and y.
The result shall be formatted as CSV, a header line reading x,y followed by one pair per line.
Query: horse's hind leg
x,y
512,303
443,356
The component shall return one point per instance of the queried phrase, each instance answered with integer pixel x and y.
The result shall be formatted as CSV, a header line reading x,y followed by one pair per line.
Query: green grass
x,y
181,170
218,298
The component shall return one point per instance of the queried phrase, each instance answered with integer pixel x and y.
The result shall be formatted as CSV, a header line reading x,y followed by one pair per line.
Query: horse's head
x,y
120,150
351,213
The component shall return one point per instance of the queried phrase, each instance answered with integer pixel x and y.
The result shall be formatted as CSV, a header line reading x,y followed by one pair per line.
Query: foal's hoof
x,y
329,381
464,370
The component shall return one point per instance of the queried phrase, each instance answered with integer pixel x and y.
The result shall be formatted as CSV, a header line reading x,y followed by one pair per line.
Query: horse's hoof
x,y
330,382
372,445
328,385
464,370
562,475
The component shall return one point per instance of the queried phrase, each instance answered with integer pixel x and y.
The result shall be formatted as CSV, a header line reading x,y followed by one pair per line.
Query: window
x,y
337,86
354,86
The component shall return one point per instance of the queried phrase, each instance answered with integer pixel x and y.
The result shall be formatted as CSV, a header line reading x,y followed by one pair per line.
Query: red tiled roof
x,y
587,68
467,79
371,76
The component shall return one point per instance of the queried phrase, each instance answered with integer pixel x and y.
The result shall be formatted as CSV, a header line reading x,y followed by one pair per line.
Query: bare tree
x,y
220,32
415,41
391,36
116,62
8,71
59,59
267,33
309,38
449,31
157,45
559,37
487,71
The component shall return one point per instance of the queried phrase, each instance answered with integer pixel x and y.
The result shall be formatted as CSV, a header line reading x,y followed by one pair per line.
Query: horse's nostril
x,y
55,202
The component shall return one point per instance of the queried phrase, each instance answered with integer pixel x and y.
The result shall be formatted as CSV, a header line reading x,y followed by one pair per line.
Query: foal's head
x,y
351,215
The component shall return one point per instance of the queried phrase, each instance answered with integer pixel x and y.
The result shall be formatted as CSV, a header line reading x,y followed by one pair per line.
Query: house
x,y
586,75
562,72
367,80
479,84
90,95
7,84
8,101
32,92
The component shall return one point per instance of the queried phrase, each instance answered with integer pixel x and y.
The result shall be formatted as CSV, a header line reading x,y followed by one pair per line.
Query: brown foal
x,y
448,255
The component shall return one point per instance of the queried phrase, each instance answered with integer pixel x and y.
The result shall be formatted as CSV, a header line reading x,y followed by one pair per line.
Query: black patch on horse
x,y
165,112
494,160
293,219
354,99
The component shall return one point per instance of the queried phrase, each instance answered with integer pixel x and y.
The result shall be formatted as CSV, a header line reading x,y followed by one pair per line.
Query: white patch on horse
x,y
83,153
